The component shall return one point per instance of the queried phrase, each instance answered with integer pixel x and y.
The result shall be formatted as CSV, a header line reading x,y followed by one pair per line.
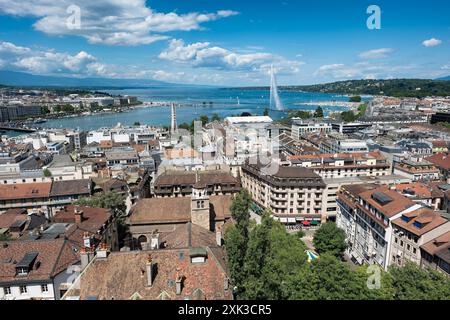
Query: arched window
x,y
142,239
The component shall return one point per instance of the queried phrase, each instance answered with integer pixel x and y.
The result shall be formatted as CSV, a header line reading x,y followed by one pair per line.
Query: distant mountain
x,y
444,78
13,78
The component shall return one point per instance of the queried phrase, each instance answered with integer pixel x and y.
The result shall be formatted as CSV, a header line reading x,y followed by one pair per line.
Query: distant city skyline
x,y
227,43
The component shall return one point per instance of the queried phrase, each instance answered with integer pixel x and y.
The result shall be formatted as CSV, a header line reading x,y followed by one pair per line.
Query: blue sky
x,y
225,42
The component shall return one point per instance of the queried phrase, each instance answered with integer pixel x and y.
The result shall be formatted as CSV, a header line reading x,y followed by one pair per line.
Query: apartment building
x,y
429,194
301,127
334,145
365,213
36,270
344,164
175,183
412,230
435,254
416,169
293,194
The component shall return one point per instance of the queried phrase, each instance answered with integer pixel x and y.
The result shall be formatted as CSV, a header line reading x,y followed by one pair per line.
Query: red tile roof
x,y
159,210
441,160
123,275
437,244
397,205
25,191
427,217
54,256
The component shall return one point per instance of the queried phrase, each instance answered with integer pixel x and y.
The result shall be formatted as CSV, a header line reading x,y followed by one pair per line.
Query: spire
x,y
173,120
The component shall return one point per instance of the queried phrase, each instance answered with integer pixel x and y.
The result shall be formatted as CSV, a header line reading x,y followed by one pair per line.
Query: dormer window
x,y
406,219
198,255
22,271
418,224
26,264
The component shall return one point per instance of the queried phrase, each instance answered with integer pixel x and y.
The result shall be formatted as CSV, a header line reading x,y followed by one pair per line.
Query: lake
x,y
225,102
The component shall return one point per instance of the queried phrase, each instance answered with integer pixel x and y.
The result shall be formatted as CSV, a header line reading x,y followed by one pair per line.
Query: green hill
x,y
396,87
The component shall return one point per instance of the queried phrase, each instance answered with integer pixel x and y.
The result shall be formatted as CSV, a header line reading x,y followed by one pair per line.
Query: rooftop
x,y
176,210
396,203
71,187
420,221
25,191
124,276
54,256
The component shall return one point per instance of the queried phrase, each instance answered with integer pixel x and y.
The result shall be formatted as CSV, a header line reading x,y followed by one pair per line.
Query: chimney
x,y
226,282
150,266
86,240
155,241
103,251
179,283
86,257
219,236
78,215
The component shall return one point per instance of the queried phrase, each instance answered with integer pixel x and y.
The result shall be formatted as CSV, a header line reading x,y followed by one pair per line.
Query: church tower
x,y
200,213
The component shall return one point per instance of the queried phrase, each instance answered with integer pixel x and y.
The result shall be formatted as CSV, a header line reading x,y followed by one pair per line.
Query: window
x,y
22,271
44,288
23,289
7,290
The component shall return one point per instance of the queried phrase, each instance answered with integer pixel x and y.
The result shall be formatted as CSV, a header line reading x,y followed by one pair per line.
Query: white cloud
x,y
446,67
202,54
43,61
8,47
110,22
432,42
337,71
376,53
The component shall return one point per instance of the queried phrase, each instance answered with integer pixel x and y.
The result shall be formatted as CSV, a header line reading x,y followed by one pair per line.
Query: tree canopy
x,y
330,239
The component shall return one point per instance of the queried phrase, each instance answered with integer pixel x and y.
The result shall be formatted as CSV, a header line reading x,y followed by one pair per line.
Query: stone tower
x,y
200,214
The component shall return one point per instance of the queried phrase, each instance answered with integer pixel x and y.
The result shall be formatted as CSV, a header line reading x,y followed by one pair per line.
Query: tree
x,y
235,245
240,210
318,113
204,119
348,116
326,278
330,239
355,99
412,282
67,108
272,257
236,236
266,112
300,114
45,110
137,124
111,200
215,117
47,173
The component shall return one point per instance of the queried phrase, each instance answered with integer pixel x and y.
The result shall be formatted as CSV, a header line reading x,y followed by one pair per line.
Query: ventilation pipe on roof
x,y
150,269
179,284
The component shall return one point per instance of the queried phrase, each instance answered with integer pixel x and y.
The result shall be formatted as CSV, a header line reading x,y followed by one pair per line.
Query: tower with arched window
x,y
200,212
